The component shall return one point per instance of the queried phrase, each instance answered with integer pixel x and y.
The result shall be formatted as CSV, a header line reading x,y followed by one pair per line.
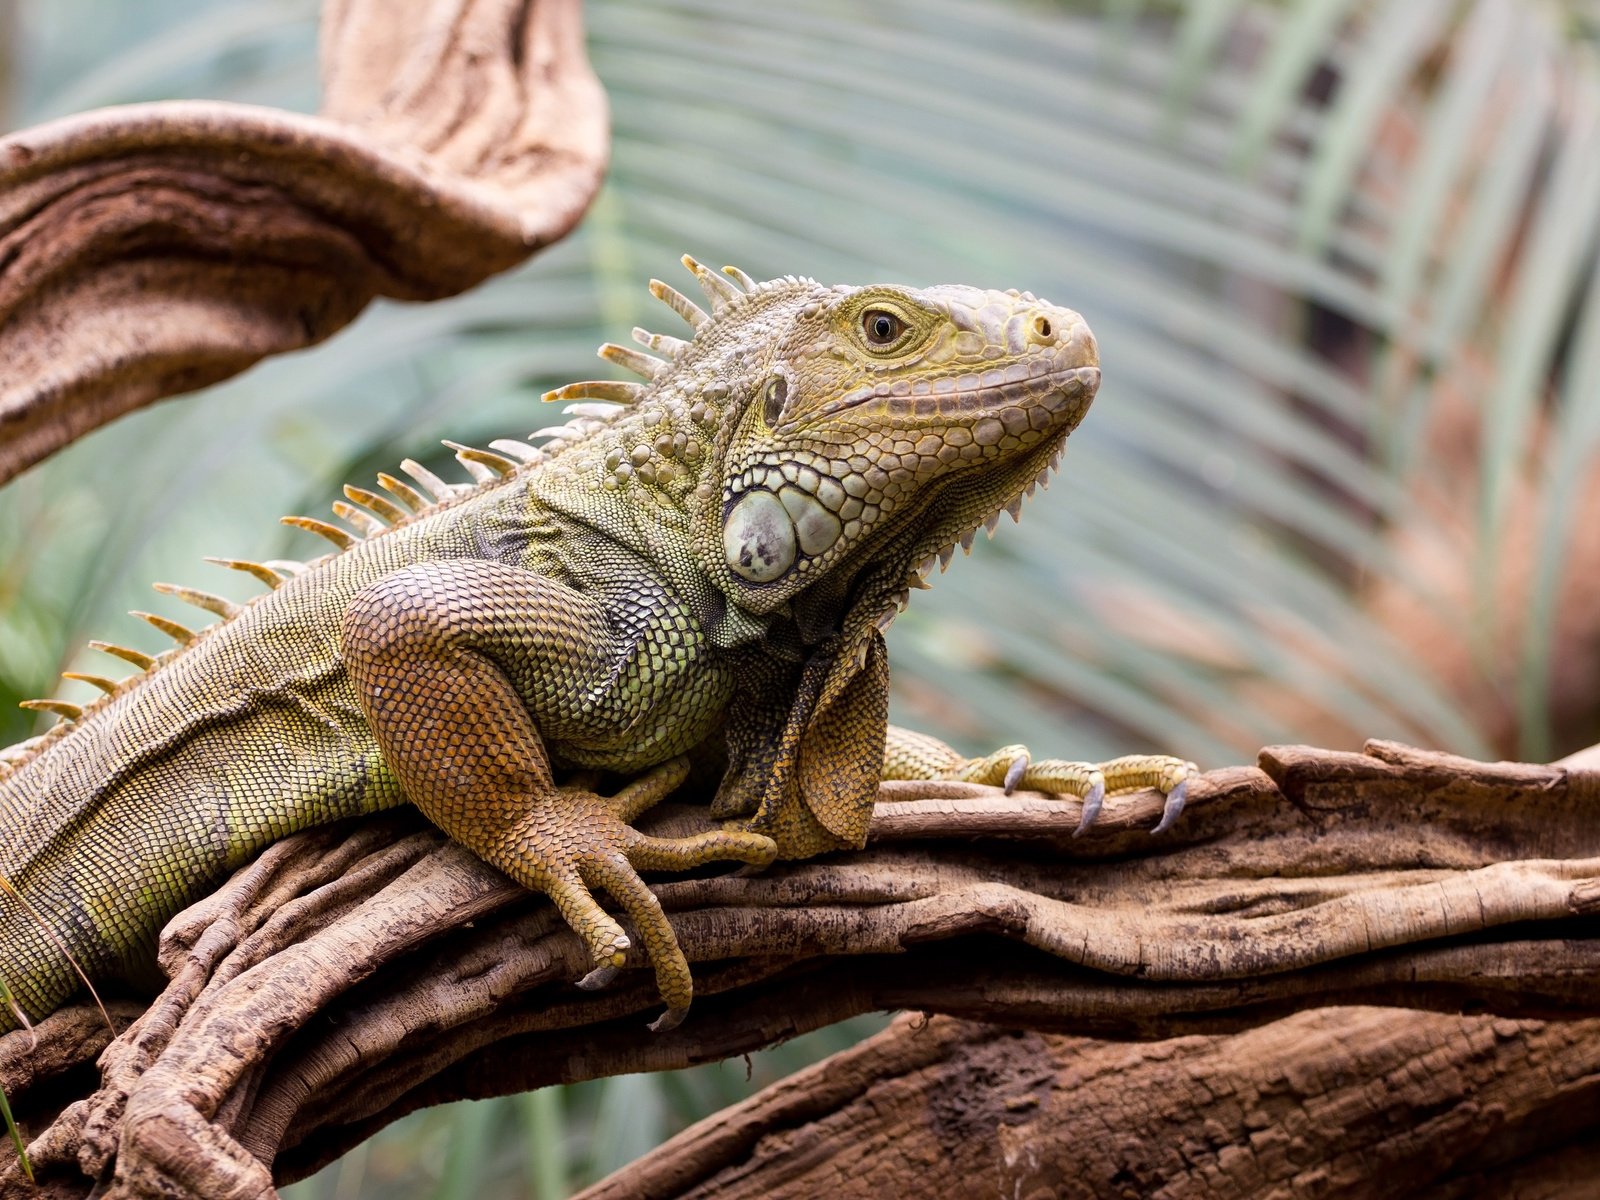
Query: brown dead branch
x,y
1337,1102
155,248
350,976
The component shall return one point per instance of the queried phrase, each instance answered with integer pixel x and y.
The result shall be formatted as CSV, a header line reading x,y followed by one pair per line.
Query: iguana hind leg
x,y
437,652
912,755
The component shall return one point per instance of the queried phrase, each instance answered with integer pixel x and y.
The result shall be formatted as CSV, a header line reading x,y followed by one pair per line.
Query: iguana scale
x,y
698,567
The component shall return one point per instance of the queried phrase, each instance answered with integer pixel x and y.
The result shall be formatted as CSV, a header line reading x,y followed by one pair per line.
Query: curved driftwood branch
x,y
352,975
156,248
1335,1102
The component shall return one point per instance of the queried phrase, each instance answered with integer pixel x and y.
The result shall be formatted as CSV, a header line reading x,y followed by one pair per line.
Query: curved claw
x,y
1173,807
1015,772
598,978
1091,809
670,1019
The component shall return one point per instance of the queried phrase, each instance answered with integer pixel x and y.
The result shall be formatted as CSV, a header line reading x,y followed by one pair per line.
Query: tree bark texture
x,y
1336,1102
354,974
155,248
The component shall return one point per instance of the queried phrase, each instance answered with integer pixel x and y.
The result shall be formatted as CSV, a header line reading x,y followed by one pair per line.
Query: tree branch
x,y
156,248
354,974
1322,1103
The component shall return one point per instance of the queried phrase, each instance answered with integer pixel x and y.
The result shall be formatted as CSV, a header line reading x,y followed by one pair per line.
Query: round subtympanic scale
x,y
758,538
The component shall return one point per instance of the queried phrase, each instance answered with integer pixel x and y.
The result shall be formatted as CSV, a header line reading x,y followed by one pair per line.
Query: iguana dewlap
x,y
697,567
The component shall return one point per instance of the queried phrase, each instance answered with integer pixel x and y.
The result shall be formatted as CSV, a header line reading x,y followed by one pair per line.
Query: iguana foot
x,y
912,755
1092,782
575,841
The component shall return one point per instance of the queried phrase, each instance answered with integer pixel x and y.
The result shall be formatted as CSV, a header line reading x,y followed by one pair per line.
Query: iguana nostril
x,y
1043,330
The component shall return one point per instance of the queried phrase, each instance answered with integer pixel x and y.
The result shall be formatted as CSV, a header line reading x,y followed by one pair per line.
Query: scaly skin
x,y
701,573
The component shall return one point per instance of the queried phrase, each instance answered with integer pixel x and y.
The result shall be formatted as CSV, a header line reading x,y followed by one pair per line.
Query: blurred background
x,y
1341,260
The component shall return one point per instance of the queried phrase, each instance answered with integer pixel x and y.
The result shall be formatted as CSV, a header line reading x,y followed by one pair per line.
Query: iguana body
x,y
700,571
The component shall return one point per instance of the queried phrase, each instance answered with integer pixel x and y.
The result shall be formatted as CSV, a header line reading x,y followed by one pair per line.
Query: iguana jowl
x,y
701,567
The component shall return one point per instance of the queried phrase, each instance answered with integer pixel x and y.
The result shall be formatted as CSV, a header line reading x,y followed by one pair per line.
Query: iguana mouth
x,y
965,388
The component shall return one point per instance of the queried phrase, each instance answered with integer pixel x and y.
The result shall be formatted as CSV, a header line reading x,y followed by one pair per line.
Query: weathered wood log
x,y
352,975
156,248
1338,1102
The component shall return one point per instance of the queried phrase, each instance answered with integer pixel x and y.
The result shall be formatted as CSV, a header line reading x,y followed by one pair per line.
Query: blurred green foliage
x,y
1297,229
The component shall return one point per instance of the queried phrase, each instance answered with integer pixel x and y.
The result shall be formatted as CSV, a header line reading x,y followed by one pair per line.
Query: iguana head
x,y
811,431
890,419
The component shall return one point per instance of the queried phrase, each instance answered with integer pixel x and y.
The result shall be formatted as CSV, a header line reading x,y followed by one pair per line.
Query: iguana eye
x,y
882,328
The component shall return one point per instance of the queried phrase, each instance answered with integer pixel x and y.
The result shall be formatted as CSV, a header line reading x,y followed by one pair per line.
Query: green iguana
x,y
699,567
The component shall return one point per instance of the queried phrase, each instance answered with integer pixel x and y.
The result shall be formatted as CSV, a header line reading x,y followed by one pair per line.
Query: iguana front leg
x,y
452,662
912,755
